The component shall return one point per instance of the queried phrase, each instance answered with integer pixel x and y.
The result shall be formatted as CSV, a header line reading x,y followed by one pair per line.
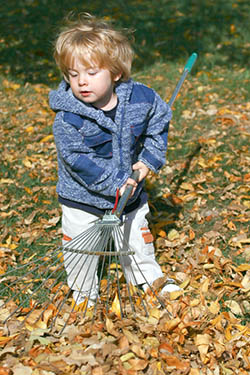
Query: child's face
x,y
93,85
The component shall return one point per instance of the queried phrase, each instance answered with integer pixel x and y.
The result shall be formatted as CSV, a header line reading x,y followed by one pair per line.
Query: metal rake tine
x,y
26,274
75,303
109,255
80,238
135,281
121,240
67,249
34,291
27,298
106,241
50,301
83,281
119,289
150,286
25,287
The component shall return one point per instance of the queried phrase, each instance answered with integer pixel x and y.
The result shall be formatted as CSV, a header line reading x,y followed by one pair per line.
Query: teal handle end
x,y
191,62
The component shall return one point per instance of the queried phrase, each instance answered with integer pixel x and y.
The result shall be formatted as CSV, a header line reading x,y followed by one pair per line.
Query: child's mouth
x,y
85,93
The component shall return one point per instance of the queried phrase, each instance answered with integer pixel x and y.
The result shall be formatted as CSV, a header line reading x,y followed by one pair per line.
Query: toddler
x,y
106,126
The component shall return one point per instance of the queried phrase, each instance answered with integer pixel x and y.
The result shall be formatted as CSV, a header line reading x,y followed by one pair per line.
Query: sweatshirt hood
x,y
63,99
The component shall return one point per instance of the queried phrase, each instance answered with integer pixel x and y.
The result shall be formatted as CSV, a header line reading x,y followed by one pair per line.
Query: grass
x,y
209,133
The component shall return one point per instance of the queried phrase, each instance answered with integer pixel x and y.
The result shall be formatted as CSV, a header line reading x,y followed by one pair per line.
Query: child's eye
x,y
73,74
92,72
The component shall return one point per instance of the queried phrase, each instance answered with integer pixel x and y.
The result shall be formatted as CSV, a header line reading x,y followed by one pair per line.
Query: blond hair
x,y
93,41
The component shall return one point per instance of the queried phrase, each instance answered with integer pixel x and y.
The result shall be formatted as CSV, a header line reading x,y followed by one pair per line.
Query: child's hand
x,y
143,169
129,181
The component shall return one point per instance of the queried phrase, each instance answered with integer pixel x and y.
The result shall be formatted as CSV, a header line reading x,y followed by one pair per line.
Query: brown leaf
x,y
175,362
138,364
136,348
111,328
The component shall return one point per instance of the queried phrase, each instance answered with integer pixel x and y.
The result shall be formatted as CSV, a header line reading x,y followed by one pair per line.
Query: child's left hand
x,y
143,169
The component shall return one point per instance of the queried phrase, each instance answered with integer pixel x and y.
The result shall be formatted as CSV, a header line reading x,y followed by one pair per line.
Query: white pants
x,y
82,270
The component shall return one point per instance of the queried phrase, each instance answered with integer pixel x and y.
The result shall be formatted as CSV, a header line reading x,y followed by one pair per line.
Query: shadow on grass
x,y
171,205
164,30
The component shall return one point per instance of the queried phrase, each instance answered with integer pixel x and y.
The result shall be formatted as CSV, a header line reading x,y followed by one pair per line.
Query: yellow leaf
x,y
127,356
208,266
187,186
27,163
246,281
228,335
204,339
6,181
214,307
202,162
219,348
176,294
155,313
173,235
30,129
162,233
29,327
204,286
185,283
47,138
246,203
151,342
232,29
194,371
132,338
231,226
11,85
243,267
116,307
154,316
5,339
191,234
203,342
114,266
60,257
41,324
234,307
28,190
187,114
172,324
195,302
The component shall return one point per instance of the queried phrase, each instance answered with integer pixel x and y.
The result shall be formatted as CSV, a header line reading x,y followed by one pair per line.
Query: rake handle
x,y
187,69
135,175
126,195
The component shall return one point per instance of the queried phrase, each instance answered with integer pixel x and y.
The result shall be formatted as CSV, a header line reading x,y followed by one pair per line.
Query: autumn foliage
x,y
200,213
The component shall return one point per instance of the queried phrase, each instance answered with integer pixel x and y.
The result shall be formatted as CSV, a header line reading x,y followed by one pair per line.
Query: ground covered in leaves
x,y
200,217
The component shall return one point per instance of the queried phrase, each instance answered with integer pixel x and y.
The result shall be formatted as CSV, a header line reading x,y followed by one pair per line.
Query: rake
x,y
41,290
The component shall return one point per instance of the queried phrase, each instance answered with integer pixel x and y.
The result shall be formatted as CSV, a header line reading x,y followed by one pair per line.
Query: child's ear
x,y
117,77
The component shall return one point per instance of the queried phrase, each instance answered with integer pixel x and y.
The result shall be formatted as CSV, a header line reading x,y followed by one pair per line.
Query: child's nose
x,y
83,80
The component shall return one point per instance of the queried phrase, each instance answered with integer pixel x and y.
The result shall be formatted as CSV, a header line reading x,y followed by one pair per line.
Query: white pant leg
x,y
143,264
81,269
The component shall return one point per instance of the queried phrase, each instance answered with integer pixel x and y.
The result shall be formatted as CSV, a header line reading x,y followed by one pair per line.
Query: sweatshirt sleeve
x,y
153,153
82,163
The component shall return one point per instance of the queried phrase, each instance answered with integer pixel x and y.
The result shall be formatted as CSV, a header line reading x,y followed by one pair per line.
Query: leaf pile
x,y
200,219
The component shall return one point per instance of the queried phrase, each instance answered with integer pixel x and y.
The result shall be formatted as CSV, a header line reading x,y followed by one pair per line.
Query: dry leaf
x,y
214,307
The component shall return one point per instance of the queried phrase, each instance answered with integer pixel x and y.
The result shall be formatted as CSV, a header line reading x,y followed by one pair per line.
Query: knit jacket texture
x,y
96,154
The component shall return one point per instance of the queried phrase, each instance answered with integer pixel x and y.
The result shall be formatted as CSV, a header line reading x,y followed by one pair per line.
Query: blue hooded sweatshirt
x,y
95,153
